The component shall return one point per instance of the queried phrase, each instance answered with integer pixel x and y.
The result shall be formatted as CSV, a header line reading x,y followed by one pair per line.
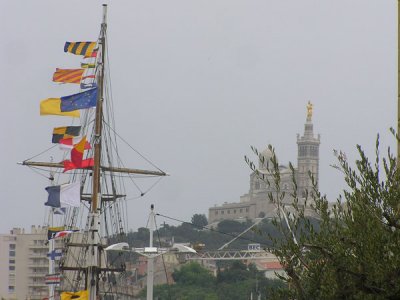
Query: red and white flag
x,y
63,233
53,279
69,143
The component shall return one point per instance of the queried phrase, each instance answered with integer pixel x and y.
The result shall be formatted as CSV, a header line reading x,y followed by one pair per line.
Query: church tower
x,y
307,155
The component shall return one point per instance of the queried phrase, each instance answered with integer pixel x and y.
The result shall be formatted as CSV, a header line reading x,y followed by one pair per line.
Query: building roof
x,y
270,265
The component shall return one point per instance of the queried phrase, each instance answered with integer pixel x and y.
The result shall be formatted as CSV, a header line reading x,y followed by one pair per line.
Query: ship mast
x,y
94,214
93,245
99,115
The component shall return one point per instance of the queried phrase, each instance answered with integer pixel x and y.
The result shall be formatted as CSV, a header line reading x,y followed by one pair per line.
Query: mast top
x,y
104,13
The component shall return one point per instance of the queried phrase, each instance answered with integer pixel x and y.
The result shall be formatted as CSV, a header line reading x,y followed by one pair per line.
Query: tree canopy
x,y
199,220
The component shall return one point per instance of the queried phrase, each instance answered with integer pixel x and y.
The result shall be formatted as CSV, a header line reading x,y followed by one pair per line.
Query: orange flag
x,y
77,152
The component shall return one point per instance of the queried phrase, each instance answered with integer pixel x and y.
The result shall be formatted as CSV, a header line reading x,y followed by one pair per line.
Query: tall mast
x,y
51,243
94,215
99,115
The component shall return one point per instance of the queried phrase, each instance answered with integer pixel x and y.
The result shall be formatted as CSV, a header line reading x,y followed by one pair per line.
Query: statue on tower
x,y
309,110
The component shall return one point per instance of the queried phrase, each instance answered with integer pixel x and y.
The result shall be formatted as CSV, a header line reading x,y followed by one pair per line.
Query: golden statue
x,y
309,110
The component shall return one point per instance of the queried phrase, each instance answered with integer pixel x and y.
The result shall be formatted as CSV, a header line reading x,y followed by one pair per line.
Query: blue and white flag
x,y
62,195
55,254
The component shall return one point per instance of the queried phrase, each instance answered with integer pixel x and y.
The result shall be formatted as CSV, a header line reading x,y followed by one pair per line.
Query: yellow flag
x,y
59,228
81,295
52,106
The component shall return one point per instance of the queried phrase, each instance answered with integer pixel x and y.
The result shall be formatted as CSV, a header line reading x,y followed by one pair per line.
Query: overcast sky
x,y
196,83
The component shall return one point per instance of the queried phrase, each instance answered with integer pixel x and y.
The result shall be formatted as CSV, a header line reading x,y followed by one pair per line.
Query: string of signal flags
x,y
70,138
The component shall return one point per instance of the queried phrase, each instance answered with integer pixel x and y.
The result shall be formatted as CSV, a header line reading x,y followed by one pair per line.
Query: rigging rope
x,y
137,152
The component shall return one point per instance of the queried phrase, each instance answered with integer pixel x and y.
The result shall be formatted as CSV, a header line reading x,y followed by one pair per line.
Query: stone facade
x,y
256,203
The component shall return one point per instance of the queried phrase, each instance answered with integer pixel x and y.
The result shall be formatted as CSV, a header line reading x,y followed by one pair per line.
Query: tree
x,y
199,220
352,251
232,226
193,274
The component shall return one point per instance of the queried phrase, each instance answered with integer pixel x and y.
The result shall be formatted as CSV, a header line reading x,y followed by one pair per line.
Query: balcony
x,y
38,274
37,284
37,255
38,265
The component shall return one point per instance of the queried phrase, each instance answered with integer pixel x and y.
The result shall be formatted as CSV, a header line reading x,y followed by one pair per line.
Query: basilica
x,y
256,203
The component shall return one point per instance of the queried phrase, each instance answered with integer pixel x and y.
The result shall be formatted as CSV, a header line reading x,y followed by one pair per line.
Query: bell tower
x,y
307,155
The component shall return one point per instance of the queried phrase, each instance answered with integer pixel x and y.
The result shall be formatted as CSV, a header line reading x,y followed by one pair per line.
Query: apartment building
x,y
24,264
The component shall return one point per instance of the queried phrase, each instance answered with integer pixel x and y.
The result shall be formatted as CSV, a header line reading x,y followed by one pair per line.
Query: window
x,y
234,211
11,268
11,261
222,212
241,210
247,209
314,150
229,212
12,246
257,185
11,289
12,253
216,212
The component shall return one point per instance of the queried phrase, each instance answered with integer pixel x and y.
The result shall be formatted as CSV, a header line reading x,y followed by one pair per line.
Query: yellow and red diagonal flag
x,y
68,75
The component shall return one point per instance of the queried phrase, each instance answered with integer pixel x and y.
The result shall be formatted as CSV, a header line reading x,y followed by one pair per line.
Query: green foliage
x,y
352,251
236,272
193,274
199,220
232,226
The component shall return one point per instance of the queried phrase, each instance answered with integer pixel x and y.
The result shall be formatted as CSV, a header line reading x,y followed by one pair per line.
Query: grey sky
x,y
195,83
